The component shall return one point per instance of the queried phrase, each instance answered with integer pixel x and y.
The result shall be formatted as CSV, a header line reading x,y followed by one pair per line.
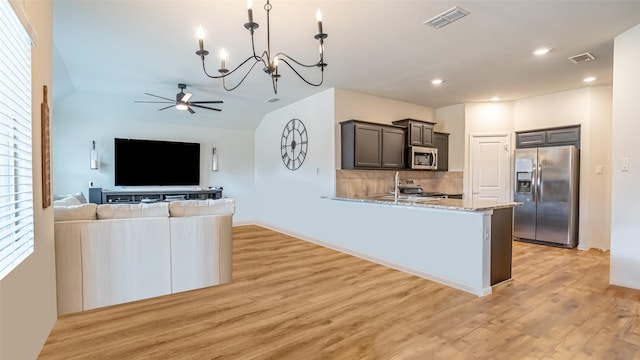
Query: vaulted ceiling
x,y
118,50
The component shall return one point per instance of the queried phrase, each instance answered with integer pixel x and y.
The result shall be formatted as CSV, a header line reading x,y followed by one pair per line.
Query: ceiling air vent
x,y
272,99
447,17
582,58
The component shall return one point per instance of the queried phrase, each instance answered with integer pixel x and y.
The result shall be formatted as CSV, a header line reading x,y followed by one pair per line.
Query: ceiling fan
x,y
182,101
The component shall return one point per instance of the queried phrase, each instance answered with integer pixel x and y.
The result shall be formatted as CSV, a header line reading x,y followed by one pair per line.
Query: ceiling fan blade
x,y
204,107
153,102
161,97
190,110
207,102
164,108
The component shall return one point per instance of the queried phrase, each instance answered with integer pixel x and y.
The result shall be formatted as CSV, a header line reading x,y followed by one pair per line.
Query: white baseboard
x,y
245,223
381,261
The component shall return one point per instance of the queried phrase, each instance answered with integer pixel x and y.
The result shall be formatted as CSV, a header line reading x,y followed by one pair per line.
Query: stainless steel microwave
x,y
423,158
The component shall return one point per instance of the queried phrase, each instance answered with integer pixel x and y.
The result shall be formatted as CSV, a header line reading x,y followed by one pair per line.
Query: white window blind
x,y
16,185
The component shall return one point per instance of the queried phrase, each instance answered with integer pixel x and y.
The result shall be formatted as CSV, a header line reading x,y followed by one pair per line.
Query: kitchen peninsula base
x,y
501,245
459,243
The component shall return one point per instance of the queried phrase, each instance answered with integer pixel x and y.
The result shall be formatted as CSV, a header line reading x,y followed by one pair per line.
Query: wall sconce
x,y
214,160
93,157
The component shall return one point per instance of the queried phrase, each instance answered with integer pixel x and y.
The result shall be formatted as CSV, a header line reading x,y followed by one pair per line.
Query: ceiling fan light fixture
x,y
182,101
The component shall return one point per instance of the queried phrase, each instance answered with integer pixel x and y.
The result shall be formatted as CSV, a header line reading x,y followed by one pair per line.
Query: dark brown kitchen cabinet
x,y
441,142
562,136
392,147
531,139
371,146
568,135
419,133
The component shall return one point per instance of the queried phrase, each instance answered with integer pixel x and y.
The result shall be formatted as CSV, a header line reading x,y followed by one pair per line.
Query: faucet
x,y
397,181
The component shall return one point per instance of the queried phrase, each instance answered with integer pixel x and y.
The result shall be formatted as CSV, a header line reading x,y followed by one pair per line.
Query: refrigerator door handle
x,y
534,181
539,186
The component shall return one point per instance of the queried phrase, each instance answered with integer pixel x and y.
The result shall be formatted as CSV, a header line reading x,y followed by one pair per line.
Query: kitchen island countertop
x,y
436,203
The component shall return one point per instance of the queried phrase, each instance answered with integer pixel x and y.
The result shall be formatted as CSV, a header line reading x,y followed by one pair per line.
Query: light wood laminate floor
x,y
291,299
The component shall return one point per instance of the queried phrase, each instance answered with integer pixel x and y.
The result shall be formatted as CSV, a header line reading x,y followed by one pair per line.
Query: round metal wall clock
x,y
294,144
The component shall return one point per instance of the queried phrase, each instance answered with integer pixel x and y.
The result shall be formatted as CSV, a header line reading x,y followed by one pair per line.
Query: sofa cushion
x,y
79,196
202,207
123,211
67,201
74,212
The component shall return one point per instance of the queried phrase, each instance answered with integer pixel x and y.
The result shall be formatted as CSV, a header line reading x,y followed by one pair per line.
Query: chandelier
x,y
270,62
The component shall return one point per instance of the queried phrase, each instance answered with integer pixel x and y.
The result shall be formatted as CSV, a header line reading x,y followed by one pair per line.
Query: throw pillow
x,y
202,207
74,212
79,196
124,211
67,201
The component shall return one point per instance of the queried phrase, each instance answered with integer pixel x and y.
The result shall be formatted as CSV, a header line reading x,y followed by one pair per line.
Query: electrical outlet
x,y
598,169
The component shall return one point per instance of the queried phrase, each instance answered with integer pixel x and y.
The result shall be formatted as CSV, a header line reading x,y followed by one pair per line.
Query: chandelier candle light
x,y
270,63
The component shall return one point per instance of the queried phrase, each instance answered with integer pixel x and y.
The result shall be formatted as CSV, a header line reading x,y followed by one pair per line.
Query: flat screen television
x,y
153,162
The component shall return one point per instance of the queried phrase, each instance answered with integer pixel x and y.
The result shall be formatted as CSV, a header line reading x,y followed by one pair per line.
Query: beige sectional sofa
x,y
114,253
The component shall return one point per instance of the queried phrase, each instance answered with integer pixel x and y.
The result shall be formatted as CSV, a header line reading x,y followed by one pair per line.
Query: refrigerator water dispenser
x,y
523,182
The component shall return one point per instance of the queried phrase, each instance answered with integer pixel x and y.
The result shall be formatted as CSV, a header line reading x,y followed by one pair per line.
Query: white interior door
x,y
489,166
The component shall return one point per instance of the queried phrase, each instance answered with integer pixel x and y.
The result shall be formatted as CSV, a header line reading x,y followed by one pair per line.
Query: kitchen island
x,y
461,243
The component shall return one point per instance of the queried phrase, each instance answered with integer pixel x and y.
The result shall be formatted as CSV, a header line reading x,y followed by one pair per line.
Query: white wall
x,y
451,120
28,293
591,109
288,198
552,110
599,195
77,125
625,194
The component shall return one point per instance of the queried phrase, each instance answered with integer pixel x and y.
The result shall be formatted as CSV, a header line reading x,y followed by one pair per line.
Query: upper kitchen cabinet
x,y
548,137
419,133
441,142
531,139
563,136
393,147
368,145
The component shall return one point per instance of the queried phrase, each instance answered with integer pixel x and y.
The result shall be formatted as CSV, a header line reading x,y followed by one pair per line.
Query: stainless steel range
x,y
409,187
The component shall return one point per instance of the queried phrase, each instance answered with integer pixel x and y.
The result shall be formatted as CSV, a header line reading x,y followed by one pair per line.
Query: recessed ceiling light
x,y
495,98
437,81
589,79
541,51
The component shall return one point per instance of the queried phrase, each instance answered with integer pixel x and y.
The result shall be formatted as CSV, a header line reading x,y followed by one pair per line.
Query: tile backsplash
x,y
364,183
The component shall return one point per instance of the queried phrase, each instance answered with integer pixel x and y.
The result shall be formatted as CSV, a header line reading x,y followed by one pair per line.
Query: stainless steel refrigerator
x,y
546,183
